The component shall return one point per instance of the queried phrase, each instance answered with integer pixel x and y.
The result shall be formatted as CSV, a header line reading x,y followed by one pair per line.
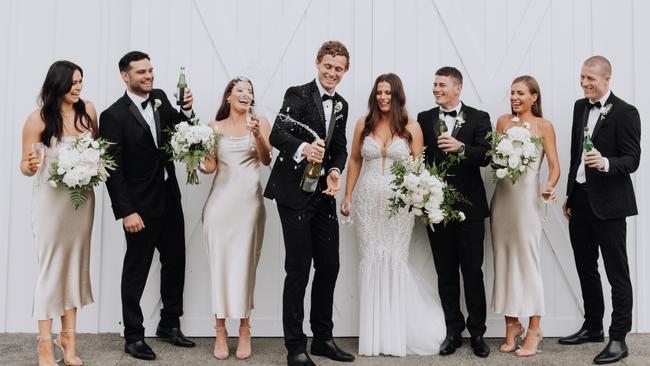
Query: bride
x,y
400,315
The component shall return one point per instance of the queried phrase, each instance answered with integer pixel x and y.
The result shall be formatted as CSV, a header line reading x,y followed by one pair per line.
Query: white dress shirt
x,y
594,116
449,120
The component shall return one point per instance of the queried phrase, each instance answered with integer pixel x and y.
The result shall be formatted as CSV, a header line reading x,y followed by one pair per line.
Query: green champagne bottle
x,y
310,177
587,145
180,87
442,126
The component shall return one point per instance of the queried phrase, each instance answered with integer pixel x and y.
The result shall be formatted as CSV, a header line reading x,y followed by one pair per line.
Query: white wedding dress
x,y
400,310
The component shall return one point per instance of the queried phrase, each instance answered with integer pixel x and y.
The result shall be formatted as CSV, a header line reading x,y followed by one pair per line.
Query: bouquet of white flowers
x,y
191,143
81,165
512,151
424,192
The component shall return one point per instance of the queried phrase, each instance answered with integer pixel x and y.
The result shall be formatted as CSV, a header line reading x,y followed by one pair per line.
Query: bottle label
x,y
180,93
309,184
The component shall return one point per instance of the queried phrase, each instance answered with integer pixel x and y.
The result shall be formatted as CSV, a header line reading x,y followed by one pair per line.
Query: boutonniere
x,y
604,110
156,104
459,120
338,106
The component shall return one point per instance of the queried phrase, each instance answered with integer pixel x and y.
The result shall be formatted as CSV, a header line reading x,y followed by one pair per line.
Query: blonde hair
x,y
600,62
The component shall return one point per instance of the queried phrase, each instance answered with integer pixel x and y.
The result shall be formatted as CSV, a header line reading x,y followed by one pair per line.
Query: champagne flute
x,y
39,149
347,220
249,120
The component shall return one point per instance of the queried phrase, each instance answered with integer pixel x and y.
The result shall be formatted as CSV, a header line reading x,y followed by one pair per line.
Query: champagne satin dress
x,y
62,235
233,226
516,224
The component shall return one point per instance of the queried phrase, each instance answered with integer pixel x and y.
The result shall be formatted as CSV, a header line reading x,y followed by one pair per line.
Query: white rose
x,y
514,161
95,144
461,215
417,211
71,178
436,216
53,183
501,173
411,181
504,147
518,133
418,199
90,156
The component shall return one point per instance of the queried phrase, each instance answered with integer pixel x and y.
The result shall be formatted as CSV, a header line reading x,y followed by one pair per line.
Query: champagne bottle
x,y
310,177
587,145
442,125
180,87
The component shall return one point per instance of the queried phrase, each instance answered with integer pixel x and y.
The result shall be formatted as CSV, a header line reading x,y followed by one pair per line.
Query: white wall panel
x,y
274,44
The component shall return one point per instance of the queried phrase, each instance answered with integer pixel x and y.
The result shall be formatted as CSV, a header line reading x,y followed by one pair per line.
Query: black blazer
x,y
137,185
466,176
617,136
303,104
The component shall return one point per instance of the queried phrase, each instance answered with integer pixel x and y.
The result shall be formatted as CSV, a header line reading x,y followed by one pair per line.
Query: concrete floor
x,y
107,349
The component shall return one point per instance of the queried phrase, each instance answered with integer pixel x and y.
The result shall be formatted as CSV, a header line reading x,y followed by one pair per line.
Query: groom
x,y
145,195
459,244
600,196
309,220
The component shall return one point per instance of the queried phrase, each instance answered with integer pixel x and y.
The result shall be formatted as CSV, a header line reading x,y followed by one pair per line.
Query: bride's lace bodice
x,y
379,235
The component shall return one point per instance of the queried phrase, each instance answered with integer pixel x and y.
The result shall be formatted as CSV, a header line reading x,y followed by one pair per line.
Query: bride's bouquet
x,y
191,143
81,165
424,192
512,151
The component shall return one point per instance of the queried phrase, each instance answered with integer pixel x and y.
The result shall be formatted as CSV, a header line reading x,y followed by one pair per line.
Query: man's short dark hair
x,y
125,61
451,72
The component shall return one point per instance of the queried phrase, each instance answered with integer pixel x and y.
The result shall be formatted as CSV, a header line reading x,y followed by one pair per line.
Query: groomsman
x,y
599,198
145,196
309,221
459,245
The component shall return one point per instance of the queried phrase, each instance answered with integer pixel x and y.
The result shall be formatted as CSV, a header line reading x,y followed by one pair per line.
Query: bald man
x,y
599,198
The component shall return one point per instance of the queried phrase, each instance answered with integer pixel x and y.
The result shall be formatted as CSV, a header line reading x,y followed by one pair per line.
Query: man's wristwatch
x,y
461,148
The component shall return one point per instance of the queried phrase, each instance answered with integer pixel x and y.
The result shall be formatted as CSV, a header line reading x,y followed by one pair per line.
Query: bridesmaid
x,y
62,233
517,224
234,215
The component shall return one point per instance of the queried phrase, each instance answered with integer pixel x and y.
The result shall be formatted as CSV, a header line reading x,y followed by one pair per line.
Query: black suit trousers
x,y
309,233
589,233
460,245
167,234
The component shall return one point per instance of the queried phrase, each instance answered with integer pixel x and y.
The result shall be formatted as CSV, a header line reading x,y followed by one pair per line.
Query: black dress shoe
x,y
479,346
139,349
175,336
582,336
301,359
450,344
330,350
613,352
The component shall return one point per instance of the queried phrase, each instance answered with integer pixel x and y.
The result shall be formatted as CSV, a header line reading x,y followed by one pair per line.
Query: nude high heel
x,y
537,334
38,349
244,350
221,347
75,361
517,339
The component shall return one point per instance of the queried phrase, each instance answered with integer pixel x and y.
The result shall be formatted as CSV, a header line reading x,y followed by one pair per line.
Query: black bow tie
x,y
450,113
592,105
326,96
146,102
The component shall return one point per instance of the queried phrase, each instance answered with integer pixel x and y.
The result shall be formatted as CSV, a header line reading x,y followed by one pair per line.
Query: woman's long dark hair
x,y
533,88
58,82
398,115
224,108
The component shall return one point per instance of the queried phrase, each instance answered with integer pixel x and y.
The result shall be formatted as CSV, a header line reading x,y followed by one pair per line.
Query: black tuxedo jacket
x,y
303,104
617,136
466,176
137,185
